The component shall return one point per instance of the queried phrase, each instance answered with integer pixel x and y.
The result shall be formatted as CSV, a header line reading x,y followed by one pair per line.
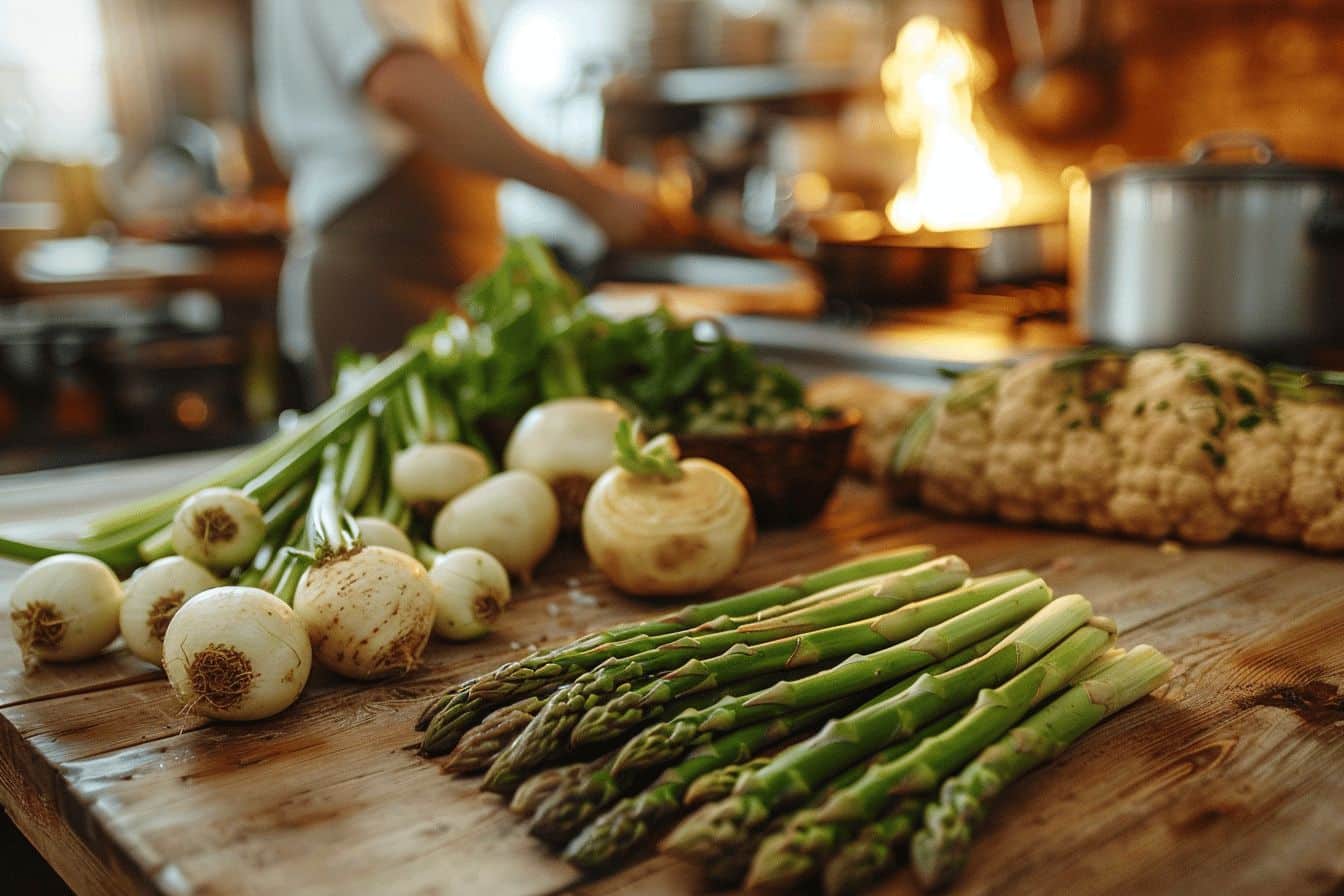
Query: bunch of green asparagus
x,y
818,730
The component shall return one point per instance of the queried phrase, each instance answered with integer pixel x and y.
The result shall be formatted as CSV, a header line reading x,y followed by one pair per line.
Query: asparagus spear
x,y
719,783
574,803
875,850
723,827
460,698
546,734
894,661
477,747
938,851
536,789
793,856
452,718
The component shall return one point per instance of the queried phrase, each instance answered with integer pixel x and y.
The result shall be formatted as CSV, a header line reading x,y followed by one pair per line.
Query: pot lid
x,y
1201,164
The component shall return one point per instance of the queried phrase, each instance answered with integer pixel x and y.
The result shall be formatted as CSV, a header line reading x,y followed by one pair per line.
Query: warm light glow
x,y
191,410
857,226
930,81
811,191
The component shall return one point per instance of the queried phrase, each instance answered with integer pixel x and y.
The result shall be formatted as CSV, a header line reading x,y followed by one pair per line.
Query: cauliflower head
x,y
1190,463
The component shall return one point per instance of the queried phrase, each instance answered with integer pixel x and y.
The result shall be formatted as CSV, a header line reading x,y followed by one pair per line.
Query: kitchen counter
x,y
1228,781
909,347
89,266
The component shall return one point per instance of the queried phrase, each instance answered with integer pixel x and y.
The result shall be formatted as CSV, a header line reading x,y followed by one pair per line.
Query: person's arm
x,y
444,103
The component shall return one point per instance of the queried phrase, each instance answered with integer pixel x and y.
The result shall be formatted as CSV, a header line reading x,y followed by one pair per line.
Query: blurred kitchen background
x,y
916,160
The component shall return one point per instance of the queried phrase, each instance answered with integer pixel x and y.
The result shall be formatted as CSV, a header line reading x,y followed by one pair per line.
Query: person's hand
x,y
631,210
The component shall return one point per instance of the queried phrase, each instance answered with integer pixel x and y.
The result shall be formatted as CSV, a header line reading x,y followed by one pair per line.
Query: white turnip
x,y
236,654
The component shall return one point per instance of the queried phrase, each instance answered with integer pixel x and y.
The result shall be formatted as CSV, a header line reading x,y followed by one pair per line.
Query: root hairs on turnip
x,y
161,612
221,676
212,526
37,626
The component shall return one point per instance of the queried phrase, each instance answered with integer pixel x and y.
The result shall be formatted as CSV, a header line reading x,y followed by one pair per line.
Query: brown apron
x,y
393,258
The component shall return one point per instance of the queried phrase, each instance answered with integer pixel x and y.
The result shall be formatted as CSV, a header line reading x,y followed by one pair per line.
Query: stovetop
x,y
908,347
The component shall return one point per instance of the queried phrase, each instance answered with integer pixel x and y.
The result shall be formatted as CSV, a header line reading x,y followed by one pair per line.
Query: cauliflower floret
x,y
1171,425
1255,481
952,464
887,412
1316,495
1048,459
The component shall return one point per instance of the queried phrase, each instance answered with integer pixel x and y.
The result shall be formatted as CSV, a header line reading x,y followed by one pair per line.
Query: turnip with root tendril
x,y
368,611
219,528
377,532
511,516
567,442
471,588
64,608
236,654
153,596
657,526
430,474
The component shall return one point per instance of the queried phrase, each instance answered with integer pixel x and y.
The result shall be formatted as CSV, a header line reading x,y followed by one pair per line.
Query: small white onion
x,y
471,589
379,533
153,596
437,472
512,516
236,654
64,608
368,613
218,527
567,442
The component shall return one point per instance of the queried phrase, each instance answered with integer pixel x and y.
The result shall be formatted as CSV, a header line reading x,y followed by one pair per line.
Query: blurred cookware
x,y
698,283
871,267
1241,254
1025,253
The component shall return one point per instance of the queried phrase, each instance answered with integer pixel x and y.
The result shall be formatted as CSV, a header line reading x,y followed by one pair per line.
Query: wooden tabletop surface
x,y
1230,781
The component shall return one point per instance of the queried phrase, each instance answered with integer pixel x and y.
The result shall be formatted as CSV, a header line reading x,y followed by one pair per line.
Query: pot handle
x,y
1206,147
1327,228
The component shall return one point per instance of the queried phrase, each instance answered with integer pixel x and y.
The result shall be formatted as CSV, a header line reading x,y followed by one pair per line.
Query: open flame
x,y
930,81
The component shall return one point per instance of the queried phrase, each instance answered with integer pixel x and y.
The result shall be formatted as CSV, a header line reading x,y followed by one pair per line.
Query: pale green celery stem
x,y
417,402
294,568
326,526
357,468
259,465
426,554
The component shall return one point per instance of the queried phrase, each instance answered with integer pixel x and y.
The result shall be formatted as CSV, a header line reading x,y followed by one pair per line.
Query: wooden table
x,y
1230,782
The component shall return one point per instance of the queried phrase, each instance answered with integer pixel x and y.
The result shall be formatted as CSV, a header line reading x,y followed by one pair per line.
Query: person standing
x,y
378,109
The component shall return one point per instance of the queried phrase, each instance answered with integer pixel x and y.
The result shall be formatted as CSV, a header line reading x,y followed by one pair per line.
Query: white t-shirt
x,y
312,59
